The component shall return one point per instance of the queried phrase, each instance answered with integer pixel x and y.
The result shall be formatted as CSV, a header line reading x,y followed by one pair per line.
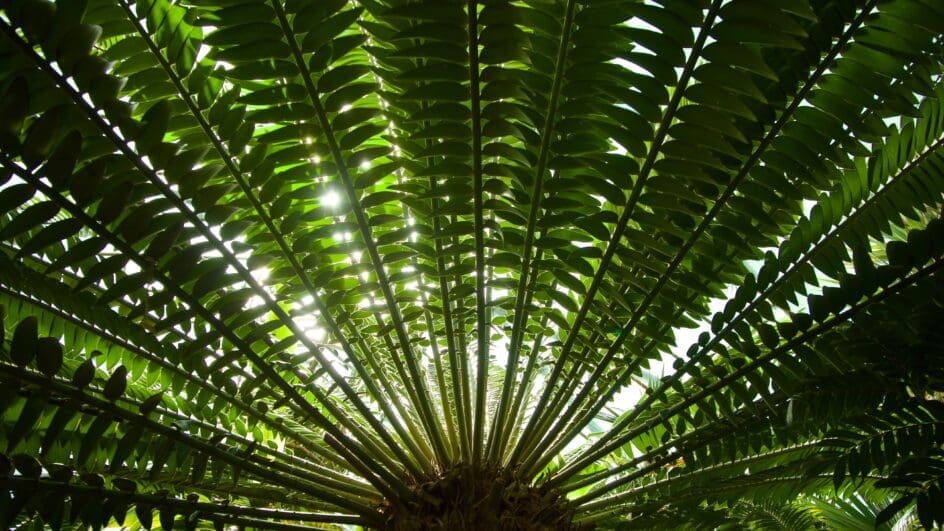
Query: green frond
x,y
529,264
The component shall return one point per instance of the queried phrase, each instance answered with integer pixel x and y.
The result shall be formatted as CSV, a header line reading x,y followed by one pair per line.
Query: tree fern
x,y
541,264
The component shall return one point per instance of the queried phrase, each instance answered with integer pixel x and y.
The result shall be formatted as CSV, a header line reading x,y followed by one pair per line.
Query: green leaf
x,y
114,202
26,420
323,32
154,125
505,260
166,516
27,465
150,403
83,374
145,515
48,355
55,232
29,219
14,108
24,343
86,182
116,384
125,447
40,137
14,196
64,414
76,44
339,76
262,49
91,439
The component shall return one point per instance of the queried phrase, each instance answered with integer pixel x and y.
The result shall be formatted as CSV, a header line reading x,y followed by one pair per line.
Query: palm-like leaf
x,y
395,263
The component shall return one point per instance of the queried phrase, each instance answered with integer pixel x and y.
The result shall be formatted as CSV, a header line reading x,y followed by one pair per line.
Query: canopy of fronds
x,y
518,264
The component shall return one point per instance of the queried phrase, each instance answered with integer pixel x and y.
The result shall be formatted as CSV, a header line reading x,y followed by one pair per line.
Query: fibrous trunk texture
x,y
464,498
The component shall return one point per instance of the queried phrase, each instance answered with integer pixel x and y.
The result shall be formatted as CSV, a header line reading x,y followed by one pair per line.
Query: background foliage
x,y
276,263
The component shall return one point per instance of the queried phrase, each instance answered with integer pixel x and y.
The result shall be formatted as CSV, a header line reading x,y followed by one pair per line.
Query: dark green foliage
x,y
282,264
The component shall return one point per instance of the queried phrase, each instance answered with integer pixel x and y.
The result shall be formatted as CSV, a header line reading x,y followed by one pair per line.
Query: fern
x,y
410,264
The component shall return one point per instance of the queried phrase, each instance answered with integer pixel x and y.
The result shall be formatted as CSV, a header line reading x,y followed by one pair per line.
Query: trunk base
x,y
466,499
